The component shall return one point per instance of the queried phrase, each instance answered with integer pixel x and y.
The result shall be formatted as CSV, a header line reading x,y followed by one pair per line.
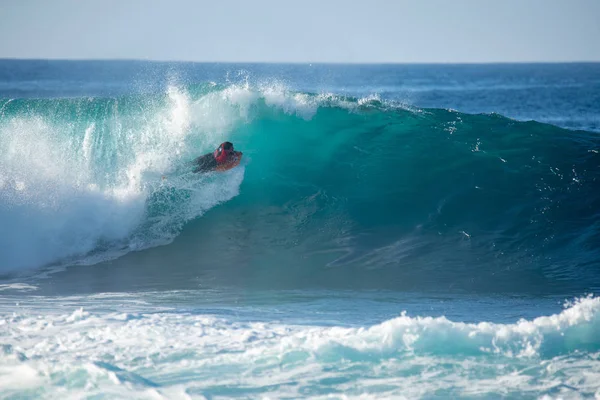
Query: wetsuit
x,y
205,163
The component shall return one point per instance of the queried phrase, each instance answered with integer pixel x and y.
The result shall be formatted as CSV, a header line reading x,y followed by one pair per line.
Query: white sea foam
x,y
23,287
169,354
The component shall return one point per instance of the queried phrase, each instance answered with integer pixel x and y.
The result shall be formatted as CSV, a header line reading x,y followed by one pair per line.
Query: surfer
x,y
222,159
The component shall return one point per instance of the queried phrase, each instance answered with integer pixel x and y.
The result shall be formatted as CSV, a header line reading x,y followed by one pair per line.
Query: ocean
x,y
393,231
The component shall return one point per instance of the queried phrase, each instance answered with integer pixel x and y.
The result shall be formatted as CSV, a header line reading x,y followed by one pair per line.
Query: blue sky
x,y
303,31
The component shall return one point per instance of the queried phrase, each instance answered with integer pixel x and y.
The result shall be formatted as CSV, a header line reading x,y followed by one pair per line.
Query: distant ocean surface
x,y
393,231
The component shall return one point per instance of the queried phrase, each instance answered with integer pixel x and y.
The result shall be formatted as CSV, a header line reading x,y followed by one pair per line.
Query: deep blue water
x,y
466,196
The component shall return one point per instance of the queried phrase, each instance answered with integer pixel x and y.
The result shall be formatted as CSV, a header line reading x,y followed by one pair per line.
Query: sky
x,y
351,31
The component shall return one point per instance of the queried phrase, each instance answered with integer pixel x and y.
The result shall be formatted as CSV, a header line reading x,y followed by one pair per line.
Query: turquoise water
x,y
372,243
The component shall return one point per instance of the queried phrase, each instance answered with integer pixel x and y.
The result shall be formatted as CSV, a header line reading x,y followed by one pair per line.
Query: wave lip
x,y
575,329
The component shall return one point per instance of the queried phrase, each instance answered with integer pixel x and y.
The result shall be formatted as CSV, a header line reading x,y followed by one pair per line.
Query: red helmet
x,y
224,150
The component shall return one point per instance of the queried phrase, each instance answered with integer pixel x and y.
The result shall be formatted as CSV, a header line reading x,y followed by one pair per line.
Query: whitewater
x,y
392,231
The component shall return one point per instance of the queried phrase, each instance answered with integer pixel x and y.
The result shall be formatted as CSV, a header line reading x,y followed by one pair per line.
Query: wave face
x,y
329,185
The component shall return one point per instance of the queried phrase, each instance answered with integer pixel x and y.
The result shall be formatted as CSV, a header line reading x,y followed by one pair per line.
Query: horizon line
x,y
303,62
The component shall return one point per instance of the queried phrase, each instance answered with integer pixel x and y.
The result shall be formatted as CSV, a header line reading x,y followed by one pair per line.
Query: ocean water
x,y
393,231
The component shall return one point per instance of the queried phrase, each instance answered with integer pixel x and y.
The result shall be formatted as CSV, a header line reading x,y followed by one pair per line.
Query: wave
x,y
209,356
360,183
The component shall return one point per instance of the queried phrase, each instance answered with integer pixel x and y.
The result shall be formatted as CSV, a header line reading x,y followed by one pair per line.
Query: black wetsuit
x,y
205,163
